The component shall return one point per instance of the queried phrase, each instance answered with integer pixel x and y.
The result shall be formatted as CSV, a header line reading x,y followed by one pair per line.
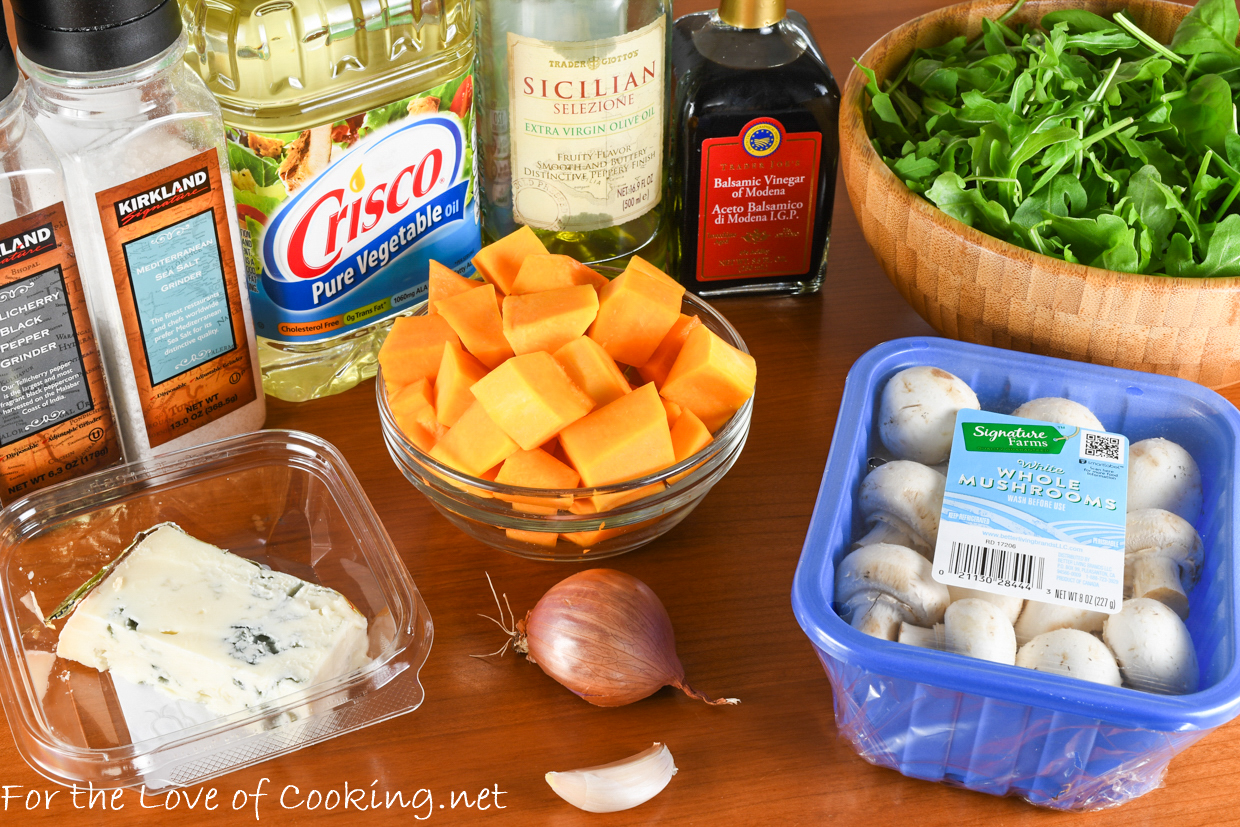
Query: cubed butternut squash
x,y
538,538
673,411
414,348
500,262
475,318
409,406
620,441
689,436
593,370
549,272
665,354
475,444
538,469
531,398
457,374
444,283
639,263
636,310
710,378
549,319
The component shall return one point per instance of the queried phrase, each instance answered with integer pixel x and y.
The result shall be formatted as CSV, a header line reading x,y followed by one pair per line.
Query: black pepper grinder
x,y
755,148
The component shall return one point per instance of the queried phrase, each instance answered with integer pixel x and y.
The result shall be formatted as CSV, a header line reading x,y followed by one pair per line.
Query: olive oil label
x,y
55,418
1035,510
171,250
757,202
340,221
586,122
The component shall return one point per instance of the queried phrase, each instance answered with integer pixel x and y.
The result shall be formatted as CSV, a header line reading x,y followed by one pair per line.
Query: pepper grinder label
x,y
55,420
757,202
172,260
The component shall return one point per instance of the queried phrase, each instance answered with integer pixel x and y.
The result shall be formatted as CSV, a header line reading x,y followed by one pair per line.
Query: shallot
x,y
605,636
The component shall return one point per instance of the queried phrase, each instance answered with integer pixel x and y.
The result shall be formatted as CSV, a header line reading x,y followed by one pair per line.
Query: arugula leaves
x,y
1082,138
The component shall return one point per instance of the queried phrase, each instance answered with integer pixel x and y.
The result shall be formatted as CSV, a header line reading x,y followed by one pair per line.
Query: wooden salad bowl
x,y
974,287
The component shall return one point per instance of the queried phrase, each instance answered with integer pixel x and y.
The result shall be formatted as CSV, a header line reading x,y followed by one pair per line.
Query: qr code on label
x,y
1101,446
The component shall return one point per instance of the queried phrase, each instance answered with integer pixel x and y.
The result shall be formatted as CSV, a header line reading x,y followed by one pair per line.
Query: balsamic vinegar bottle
x,y
754,151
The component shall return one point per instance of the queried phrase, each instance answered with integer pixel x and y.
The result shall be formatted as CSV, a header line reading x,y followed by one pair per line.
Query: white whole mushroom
x,y
1162,557
979,629
1153,648
1161,474
917,413
1038,618
1008,604
901,502
1073,653
1060,410
883,585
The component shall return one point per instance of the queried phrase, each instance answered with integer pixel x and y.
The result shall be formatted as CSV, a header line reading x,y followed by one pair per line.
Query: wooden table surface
x,y
725,575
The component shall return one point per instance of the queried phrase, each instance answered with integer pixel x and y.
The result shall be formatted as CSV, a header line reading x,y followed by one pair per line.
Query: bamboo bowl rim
x,y
925,31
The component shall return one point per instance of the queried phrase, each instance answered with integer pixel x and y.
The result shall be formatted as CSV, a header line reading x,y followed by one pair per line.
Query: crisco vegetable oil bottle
x,y
350,129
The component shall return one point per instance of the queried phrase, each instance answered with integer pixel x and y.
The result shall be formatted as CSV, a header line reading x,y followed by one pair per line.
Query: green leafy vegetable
x,y
1082,138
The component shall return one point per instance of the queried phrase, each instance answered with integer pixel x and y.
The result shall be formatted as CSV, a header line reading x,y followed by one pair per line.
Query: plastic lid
x,y
8,64
94,35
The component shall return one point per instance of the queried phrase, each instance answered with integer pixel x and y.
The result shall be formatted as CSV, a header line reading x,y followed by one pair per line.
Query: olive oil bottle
x,y
350,136
573,103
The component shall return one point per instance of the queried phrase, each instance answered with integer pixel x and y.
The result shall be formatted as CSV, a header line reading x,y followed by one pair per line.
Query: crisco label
x,y
340,220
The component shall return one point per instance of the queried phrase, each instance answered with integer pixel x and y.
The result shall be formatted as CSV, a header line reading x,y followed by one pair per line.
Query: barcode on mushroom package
x,y
1009,568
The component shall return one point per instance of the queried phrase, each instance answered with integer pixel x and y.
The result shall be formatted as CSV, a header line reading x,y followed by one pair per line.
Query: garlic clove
x,y
609,788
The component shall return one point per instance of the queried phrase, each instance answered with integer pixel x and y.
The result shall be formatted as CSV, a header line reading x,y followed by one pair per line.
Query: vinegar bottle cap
x,y
94,35
751,14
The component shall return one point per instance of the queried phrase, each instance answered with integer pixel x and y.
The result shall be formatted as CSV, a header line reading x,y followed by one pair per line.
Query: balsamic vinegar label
x,y
55,419
587,121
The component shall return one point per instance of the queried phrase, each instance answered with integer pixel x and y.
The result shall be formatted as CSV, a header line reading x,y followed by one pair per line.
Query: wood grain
x,y
725,575
972,286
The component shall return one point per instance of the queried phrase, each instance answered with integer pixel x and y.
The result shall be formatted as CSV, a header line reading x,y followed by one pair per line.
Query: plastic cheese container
x,y
283,499
1057,742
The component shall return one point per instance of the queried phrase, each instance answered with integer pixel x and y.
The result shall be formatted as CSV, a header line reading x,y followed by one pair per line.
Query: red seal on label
x,y
757,201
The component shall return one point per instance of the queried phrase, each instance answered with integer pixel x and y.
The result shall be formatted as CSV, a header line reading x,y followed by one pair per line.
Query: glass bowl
x,y
491,512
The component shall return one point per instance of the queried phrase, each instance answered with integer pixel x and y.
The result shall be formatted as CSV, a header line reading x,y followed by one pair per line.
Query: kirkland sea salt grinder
x,y
150,204
755,147
55,418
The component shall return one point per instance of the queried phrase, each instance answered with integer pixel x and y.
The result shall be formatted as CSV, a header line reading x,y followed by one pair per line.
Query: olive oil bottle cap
x,y
751,14
8,64
94,35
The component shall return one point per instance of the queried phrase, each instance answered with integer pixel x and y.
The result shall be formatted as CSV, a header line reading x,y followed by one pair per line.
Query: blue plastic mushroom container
x,y
1052,740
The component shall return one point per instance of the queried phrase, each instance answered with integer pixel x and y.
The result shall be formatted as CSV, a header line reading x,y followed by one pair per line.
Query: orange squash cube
x,y
475,318
475,444
414,348
592,370
689,436
665,354
538,538
457,374
531,398
639,263
444,283
636,310
673,411
550,272
589,539
538,469
710,378
500,262
409,408
621,441
550,319
605,502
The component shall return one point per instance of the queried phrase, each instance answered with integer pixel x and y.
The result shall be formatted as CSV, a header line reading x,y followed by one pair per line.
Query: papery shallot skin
x,y
604,635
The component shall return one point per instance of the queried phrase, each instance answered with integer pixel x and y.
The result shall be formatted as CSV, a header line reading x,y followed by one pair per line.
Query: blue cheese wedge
x,y
208,626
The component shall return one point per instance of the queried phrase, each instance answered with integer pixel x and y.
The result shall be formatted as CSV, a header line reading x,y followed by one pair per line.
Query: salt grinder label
x,y
55,420
172,259
587,128
1035,510
757,200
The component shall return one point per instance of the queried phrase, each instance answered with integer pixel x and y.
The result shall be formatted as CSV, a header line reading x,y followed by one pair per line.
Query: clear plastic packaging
x,y
1054,741
283,499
